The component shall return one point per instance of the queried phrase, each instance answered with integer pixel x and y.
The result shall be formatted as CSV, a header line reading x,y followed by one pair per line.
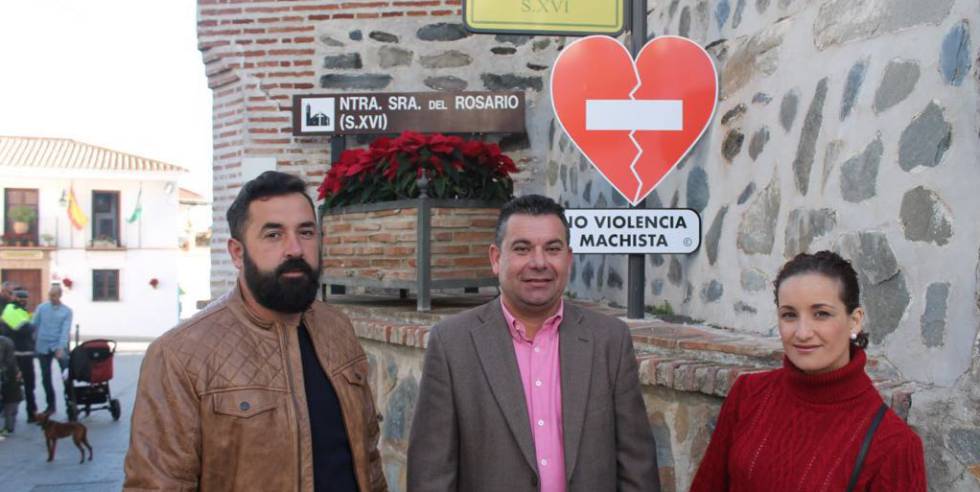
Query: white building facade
x,y
118,259
194,263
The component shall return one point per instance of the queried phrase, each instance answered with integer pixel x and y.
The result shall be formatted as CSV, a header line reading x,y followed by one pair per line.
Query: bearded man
x,y
265,389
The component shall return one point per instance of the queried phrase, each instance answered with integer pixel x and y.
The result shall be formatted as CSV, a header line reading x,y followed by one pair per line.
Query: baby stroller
x,y
89,372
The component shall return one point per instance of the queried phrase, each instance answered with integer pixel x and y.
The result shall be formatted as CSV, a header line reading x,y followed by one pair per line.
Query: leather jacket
x,y
221,403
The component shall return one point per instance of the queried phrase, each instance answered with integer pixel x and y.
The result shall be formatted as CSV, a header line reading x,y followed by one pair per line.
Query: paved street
x,y
23,455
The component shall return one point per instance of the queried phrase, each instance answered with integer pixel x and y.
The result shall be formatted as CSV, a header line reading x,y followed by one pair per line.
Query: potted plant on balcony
x,y
22,217
413,212
104,241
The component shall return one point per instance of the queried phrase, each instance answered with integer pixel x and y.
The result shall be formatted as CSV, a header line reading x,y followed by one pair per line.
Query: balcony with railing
x,y
105,221
98,229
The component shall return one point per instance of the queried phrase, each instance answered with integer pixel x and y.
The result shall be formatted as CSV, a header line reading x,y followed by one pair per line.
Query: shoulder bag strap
x,y
865,445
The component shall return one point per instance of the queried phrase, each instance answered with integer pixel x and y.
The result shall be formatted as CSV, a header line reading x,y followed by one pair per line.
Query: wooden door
x,y
29,280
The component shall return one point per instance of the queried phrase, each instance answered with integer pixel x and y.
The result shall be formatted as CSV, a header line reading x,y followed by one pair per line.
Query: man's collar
x,y
237,301
512,321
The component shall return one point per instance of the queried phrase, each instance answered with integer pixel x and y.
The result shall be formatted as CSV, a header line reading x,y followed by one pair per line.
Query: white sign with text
x,y
617,230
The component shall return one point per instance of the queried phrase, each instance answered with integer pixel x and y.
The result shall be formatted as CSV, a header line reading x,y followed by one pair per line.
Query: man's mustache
x,y
294,265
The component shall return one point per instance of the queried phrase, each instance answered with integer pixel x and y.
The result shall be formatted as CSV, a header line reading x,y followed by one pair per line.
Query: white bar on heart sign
x,y
631,114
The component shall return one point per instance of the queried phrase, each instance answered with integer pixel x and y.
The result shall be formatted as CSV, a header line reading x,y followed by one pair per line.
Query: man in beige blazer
x,y
527,392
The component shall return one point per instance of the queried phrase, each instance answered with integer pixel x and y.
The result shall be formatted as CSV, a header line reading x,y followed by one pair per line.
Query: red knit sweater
x,y
785,431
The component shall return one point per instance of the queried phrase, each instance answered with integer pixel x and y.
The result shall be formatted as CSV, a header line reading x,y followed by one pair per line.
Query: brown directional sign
x,y
395,112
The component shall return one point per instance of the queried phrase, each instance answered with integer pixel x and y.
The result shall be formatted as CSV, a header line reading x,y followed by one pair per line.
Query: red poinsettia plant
x,y
389,168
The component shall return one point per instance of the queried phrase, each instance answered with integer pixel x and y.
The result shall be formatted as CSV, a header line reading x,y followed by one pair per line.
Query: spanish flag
x,y
75,214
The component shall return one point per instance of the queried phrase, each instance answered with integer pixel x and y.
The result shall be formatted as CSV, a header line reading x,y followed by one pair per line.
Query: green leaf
x,y
440,185
451,170
364,195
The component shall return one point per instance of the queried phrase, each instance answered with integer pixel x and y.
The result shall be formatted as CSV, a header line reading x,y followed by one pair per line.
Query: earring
x,y
854,336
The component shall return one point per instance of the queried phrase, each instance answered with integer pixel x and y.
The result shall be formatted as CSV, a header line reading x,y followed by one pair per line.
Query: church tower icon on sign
x,y
316,119
319,115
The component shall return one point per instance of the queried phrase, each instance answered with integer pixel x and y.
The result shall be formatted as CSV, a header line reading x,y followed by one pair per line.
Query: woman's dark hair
x,y
830,265
269,183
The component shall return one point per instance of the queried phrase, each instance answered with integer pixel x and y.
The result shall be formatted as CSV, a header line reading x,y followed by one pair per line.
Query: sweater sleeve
x,y
903,469
712,475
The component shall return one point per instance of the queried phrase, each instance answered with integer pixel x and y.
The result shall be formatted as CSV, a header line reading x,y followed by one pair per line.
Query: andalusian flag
x,y
75,214
138,211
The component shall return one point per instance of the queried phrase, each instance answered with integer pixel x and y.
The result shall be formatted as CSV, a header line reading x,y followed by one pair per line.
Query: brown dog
x,y
54,430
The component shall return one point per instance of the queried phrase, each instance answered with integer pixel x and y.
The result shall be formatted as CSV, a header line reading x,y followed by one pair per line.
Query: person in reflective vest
x,y
16,325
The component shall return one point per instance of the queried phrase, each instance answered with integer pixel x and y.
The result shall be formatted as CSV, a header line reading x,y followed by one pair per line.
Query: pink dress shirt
x,y
538,362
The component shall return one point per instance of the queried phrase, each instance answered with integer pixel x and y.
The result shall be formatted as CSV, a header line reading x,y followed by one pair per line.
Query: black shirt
x,y
333,465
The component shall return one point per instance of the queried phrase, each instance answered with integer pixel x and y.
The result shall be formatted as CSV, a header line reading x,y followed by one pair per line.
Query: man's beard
x,y
283,294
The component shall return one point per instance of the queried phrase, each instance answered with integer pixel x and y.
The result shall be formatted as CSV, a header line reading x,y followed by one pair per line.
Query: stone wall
x,y
380,245
849,125
843,125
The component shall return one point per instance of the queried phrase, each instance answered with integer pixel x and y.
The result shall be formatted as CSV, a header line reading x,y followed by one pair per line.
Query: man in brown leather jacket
x,y
266,389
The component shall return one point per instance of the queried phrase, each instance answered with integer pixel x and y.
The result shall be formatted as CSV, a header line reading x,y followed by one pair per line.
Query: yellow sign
x,y
544,16
21,255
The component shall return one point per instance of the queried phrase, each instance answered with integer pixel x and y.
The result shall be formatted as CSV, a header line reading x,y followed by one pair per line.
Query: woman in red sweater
x,y
801,427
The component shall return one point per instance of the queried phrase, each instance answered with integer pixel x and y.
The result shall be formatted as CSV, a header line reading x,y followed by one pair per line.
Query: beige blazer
x,y
471,431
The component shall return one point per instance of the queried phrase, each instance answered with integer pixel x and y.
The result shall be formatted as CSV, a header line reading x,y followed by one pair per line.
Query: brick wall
x,y
257,54
380,245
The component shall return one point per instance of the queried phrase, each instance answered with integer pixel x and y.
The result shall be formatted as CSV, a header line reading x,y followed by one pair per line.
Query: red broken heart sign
x,y
634,121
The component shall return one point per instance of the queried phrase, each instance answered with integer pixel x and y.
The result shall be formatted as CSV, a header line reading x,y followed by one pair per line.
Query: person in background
x,y
10,385
802,427
17,326
52,319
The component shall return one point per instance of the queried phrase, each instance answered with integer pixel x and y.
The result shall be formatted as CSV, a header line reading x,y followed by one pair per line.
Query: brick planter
x,y
380,245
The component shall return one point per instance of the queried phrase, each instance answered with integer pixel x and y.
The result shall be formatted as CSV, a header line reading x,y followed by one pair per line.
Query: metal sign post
x,y
338,144
636,272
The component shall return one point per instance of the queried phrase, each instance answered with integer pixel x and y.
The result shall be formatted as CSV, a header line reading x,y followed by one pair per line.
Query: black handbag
x,y
865,445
